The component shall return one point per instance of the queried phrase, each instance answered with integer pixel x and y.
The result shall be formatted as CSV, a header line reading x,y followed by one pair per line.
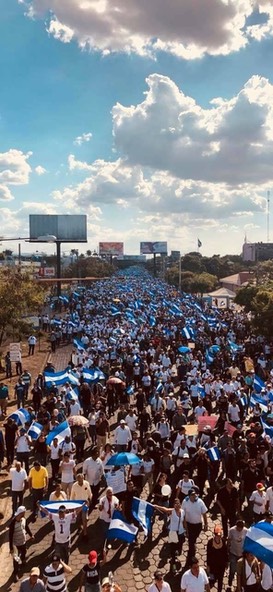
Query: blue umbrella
x,y
123,458
183,349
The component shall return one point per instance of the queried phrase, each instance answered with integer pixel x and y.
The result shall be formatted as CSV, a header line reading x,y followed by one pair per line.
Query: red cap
x,y
93,557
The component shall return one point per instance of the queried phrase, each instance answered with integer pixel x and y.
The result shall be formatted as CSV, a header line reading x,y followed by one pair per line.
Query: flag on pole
x,y
21,416
35,430
258,384
255,399
214,454
120,529
59,432
199,243
92,375
259,541
143,512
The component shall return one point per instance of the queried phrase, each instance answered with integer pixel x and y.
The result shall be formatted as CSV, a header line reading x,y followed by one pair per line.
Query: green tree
x,y
203,282
262,310
192,262
245,297
89,267
19,296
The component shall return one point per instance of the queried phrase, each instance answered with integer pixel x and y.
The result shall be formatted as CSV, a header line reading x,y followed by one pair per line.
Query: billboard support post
x,y
58,267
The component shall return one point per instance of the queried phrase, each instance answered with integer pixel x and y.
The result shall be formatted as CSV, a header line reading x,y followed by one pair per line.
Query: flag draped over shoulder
x,y
59,432
21,416
143,512
120,529
259,541
35,430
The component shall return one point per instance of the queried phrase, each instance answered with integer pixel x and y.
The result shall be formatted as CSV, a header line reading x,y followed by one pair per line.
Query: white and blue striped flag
x,y
255,399
130,390
188,332
258,384
35,430
58,378
143,512
59,432
120,529
79,344
21,416
214,454
259,541
53,507
92,375
268,430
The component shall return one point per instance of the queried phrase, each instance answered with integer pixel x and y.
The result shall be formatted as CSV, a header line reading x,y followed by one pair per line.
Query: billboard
x,y
147,248
47,272
65,227
110,248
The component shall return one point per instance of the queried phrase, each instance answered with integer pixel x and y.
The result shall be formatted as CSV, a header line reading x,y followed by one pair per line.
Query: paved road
x,y
133,569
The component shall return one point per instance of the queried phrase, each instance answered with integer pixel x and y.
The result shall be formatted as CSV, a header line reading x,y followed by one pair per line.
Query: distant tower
x,y
268,212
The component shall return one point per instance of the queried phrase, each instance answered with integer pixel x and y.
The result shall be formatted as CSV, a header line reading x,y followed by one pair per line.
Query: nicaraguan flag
x,y
159,387
258,384
35,430
214,454
120,529
255,399
59,432
209,358
244,400
21,416
130,390
72,379
152,321
58,377
92,375
79,344
201,391
188,332
143,512
53,507
259,541
268,430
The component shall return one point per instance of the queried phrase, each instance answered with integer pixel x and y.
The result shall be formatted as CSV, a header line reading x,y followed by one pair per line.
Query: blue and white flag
x,y
130,390
120,529
92,375
35,430
255,399
72,379
58,378
53,507
268,430
143,512
160,387
59,432
21,416
79,344
259,541
214,454
258,384
243,400
209,358
188,332
152,321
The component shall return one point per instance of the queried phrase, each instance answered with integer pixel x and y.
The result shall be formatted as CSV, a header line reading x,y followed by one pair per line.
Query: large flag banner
x,y
92,375
255,399
120,529
259,541
258,384
59,432
21,416
53,507
143,512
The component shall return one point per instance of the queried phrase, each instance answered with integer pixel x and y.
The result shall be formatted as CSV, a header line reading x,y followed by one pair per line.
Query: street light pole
x,y
179,273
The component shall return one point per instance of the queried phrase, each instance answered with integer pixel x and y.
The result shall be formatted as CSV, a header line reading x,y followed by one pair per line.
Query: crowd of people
x,y
171,380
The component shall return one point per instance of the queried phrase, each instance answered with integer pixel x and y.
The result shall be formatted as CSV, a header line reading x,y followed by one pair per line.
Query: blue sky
x,y
155,120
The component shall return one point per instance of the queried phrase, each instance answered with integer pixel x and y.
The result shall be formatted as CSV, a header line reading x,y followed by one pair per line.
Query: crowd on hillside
x,y
164,377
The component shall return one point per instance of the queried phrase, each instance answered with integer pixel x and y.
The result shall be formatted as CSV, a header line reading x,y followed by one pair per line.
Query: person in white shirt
x,y
159,585
55,458
107,505
195,513
81,490
62,523
177,528
184,485
148,471
200,410
18,477
122,436
266,577
68,473
131,420
93,471
75,408
195,579
234,413
258,499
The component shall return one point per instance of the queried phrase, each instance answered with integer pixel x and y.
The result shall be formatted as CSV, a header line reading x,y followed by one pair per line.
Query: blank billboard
x,y
65,227
110,248
148,248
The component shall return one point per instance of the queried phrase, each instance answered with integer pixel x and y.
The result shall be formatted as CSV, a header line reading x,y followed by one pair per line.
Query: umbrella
x,y
78,420
183,349
114,380
122,458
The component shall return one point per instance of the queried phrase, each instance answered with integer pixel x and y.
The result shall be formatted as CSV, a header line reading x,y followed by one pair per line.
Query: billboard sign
x,y
110,249
148,248
65,227
47,272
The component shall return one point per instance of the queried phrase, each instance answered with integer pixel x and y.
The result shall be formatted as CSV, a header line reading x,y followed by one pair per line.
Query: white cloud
x,y
230,142
39,170
14,170
186,28
85,137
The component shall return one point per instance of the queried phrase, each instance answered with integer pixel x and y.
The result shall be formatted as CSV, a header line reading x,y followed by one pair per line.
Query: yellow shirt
x,y
38,478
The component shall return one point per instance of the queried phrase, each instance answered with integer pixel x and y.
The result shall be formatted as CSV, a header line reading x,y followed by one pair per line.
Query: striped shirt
x,y
55,579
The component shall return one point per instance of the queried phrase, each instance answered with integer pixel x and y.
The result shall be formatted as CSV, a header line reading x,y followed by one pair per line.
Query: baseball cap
x,y
92,556
122,421
55,557
20,510
105,581
186,455
260,486
34,571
